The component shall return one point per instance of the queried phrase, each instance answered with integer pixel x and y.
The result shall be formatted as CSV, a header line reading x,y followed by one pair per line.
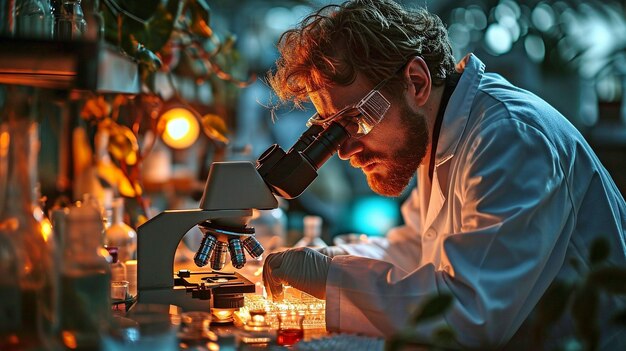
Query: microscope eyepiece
x,y
289,174
326,144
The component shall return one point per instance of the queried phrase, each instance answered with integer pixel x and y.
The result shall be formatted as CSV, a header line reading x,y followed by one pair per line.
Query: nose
x,y
349,148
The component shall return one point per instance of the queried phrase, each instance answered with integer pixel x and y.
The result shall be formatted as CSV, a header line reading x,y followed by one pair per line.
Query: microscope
x,y
232,191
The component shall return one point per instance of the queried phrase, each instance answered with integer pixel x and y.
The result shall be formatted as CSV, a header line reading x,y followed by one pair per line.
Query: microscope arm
x,y
159,237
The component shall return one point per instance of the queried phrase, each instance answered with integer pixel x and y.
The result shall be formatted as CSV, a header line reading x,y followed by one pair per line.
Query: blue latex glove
x,y
303,268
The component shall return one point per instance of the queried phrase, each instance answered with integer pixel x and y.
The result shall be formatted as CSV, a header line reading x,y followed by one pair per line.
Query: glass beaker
x,y
290,328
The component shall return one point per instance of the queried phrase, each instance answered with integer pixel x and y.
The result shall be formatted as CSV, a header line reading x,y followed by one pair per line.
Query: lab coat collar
x,y
457,112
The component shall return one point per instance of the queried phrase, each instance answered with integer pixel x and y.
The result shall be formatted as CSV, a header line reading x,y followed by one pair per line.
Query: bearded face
x,y
390,170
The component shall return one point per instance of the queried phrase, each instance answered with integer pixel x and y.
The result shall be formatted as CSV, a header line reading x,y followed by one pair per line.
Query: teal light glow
x,y
374,216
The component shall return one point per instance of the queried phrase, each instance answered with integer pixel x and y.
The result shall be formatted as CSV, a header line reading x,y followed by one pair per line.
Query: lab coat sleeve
x,y
516,220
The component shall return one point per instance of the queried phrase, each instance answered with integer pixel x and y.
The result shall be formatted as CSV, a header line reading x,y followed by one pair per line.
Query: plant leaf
x,y
584,312
153,32
215,128
599,250
433,307
200,18
553,303
612,278
123,145
620,318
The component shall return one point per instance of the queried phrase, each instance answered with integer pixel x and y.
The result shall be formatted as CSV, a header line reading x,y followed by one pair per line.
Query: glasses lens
x,y
358,119
373,108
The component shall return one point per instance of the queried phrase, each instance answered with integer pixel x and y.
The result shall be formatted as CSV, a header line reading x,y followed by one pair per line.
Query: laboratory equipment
x,y
290,328
69,20
311,233
120,234
85,272
232,191
118,269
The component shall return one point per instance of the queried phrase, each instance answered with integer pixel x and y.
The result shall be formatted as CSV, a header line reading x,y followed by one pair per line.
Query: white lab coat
x,y
516,194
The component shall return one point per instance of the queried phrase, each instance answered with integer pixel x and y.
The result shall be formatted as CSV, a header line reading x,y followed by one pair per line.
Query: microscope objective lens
x,y
204,252
253,246
236,253
218,259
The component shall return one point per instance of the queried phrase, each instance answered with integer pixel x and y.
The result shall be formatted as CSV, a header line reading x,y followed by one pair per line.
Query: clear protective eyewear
x,y
362,116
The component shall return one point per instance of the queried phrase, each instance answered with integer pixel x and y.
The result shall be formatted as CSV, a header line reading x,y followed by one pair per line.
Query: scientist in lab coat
x,y
508,194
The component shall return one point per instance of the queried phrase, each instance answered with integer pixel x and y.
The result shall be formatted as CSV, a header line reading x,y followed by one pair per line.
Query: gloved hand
x,y
331,251
303,268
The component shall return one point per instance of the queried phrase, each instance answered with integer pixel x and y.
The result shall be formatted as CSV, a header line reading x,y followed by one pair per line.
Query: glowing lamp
x,y
179,127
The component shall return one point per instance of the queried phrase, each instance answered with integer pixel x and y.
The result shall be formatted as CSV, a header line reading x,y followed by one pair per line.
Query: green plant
x,y
581,299
149,30
442,338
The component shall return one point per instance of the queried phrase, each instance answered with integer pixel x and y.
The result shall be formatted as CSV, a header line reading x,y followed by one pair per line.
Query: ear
x,y
417,75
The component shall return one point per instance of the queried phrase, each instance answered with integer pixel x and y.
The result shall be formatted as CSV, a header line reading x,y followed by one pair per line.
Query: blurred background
x,y
209,58
571,53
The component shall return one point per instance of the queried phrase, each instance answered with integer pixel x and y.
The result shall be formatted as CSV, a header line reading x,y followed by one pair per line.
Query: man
x,y
509,192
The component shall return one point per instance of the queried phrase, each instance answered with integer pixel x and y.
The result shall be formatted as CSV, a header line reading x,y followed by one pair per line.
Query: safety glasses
x,y
361,117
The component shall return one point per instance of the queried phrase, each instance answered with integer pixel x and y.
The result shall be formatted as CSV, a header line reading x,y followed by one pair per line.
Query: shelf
x,y
81,65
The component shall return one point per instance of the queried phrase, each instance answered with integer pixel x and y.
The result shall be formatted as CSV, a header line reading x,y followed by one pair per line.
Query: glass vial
x,y
69,20
290,328
118,269
33,19
312,233
120,234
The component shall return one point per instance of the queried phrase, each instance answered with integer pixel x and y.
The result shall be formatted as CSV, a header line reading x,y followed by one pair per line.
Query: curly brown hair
x,y
375,37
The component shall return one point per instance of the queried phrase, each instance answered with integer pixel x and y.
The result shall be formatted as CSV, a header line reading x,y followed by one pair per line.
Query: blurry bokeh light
x,y
498,39
279,18
535,48
180,128
543,17
374,215
476,18
459,35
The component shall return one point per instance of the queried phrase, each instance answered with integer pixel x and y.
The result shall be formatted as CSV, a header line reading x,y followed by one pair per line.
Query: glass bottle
x,y
118,269
7,18
33,19
85,280
120,234
27,322
312,233
69,20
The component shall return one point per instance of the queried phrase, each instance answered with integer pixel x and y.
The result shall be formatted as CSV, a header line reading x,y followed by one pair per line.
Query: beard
x,y
394,171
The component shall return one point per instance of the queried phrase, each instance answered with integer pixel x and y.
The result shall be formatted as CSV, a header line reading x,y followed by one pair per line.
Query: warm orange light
x,y
180,128
4,143
222,314
69,339
46,228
